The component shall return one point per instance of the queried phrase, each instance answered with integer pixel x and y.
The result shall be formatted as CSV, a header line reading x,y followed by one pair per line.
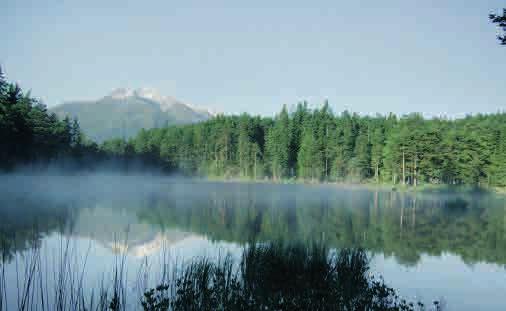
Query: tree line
x,y
305,144
318,145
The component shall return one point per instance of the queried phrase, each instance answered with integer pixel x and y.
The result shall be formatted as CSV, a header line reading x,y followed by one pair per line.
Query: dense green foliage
x,y
28,133
318,145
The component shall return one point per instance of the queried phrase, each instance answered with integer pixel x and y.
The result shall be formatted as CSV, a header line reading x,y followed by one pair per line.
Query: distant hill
x,y
124,112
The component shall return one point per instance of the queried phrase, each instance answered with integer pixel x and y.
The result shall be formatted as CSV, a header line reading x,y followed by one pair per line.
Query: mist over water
x,y
427,243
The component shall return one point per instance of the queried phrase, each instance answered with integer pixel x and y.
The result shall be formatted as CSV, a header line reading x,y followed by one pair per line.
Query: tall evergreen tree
x,y
296,128
278,145
308,156
361,164
345,144
244,146
498,160
377,145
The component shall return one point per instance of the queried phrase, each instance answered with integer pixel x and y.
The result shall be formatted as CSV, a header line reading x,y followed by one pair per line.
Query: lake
x,y
447,245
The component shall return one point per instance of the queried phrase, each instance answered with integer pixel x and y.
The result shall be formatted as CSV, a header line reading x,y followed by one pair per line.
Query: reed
x,y
268,276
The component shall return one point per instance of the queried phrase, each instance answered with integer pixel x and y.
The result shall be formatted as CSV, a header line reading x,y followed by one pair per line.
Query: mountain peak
x,y
149,93
121,93
166,102
144,93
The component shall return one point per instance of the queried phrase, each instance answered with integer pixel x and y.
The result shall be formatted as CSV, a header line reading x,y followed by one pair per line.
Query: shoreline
x,y
367,185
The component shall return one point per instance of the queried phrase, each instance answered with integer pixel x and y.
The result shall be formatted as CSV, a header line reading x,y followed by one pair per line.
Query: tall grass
x,y
268,276
56,281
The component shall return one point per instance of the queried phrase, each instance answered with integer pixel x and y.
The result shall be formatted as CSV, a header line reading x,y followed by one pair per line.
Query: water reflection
x,y
142,218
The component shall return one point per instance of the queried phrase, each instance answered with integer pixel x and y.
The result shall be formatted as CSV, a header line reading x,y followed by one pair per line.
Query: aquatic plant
x,y
268,276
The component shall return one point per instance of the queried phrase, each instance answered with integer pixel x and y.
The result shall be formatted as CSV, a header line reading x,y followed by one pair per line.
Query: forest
x,y
299,143
320,146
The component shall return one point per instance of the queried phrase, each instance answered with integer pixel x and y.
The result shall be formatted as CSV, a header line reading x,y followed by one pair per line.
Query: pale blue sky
x,y
434,57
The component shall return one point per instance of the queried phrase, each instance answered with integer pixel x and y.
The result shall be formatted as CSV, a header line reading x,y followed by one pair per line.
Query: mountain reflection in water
x,y
403,225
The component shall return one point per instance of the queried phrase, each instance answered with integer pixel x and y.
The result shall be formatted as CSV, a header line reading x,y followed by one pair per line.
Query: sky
x,y
433,57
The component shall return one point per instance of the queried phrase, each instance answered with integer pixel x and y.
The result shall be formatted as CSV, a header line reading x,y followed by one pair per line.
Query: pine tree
x,y
308,156
66,138
278,145
3,83
296,127
362,154
377,145
244,145
77,136
3,119
344,144
324,128
256,156
498,161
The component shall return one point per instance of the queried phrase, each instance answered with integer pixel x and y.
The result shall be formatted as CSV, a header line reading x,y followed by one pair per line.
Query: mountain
x,y
124,112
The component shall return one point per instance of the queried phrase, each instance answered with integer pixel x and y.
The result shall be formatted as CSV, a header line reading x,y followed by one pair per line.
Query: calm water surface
x,y
432,245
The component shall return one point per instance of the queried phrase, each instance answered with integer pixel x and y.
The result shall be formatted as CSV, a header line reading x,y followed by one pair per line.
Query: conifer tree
x,y
377,145
244,146
308,155
296,128
278,145
362,154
